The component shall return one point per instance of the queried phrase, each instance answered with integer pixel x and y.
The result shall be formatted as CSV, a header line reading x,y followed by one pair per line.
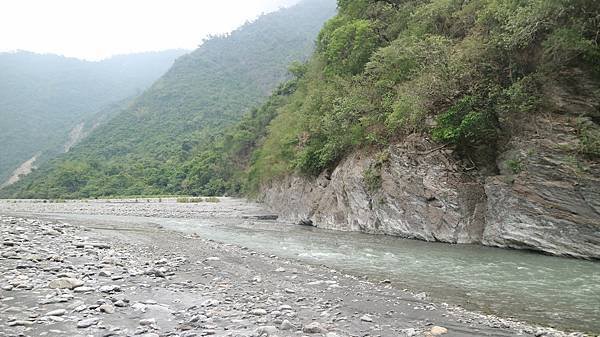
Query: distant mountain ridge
x,y
43,97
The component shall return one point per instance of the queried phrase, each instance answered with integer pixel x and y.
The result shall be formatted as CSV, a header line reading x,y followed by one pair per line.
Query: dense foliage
x,y
170,139
449,69
44,96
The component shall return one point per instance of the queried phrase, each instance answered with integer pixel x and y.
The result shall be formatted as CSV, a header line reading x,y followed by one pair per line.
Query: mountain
x,y
146,149
44,97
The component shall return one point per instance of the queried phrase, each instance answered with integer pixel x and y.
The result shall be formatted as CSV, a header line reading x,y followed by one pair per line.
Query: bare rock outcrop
x,y
423,194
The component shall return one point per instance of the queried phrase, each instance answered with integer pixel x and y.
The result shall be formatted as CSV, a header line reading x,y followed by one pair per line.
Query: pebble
x,y
314,327
65,283
86,323
258,312
147,321
20,323
268,330
286,325
107,308
438,330
366,318
57,312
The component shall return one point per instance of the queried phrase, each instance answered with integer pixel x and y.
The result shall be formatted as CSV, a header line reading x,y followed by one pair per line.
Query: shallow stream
x,y
552,291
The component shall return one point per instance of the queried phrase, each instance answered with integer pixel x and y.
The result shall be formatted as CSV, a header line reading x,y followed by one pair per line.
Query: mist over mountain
x,y
43,97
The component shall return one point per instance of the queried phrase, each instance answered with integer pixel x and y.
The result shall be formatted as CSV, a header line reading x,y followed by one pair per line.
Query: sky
x,y
97,29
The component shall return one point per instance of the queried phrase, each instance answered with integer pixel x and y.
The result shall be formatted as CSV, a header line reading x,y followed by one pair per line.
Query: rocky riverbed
x,y
60,279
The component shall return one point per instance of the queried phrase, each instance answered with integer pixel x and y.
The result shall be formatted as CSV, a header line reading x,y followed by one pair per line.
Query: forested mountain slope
x,y
43,97
147,148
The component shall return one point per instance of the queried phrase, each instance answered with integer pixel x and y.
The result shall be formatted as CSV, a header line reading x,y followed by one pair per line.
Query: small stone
x,y
268,330
410,332
86,323
286,325
57,312
438,330
109,289
366,318
314,327
289,291
20,323
65,283
147,321
421,296
83,289
107,308
258,312
104,273
120,304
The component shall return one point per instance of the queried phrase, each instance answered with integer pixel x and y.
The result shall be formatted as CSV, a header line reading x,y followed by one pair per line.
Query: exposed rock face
x,y
545,197
423,195
553,202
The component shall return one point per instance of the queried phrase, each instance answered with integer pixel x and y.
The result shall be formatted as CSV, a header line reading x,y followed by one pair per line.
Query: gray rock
x,y
86,323
83,289
147,321
314,327
266,331
109,289
287,325
20,323
366,318
65,283
258,312
57,312
107,308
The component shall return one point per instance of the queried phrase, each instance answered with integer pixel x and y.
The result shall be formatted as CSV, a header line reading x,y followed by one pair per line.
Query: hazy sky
x,y
96,29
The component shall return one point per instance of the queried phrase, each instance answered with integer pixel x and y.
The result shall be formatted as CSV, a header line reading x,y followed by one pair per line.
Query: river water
x,y
552,291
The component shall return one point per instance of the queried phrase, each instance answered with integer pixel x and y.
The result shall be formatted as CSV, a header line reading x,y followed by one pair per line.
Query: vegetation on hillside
x,y
449,69
44,96
169,140
452,70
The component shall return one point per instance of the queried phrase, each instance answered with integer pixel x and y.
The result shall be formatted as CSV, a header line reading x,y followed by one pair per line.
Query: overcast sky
x,y
96,29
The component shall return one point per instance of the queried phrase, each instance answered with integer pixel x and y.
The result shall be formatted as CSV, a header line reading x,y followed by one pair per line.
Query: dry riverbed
x,y
61,279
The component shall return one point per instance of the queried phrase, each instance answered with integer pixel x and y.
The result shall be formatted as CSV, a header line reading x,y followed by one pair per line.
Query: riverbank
x,y
142,278
73,280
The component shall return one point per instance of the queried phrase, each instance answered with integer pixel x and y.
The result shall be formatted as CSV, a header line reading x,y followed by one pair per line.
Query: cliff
x,y
539,196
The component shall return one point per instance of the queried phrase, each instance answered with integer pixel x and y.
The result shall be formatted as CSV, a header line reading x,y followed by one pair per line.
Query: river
x,y
551,291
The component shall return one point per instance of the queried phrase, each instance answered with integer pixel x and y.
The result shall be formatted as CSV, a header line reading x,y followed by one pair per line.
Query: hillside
x,y
43,97
462,122
146,148
452,121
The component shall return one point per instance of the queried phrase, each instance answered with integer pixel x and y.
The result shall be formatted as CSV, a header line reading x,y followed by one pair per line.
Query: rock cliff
x,y
543,195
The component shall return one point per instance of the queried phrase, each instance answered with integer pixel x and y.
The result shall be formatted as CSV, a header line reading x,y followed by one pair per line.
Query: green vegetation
x,y
169,140
45,96
455,71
